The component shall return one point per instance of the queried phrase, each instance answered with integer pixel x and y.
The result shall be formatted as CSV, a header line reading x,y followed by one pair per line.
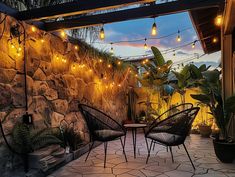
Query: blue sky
x,y
136,29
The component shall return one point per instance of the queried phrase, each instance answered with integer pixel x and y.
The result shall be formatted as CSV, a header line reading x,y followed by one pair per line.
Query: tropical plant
x,y
222,110
188,77
26,140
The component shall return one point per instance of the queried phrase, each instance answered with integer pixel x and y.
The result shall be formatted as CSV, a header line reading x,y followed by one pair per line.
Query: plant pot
x,y
205,130
224,151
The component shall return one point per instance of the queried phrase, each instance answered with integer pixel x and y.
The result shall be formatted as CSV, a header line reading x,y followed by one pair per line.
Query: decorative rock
x,y
60,106
46,67
6,61
51,94
56,119
32,63
39,75
5,97
7,75
71,84
71,117
81,85
40,87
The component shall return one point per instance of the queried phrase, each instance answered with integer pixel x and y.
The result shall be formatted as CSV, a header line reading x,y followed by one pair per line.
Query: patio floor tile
x,y
160,164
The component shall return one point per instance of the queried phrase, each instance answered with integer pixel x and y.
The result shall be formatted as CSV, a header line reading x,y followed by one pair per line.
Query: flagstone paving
x,y
160,164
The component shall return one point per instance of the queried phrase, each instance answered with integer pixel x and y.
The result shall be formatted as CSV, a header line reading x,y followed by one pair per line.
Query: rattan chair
x,y
172,131
102,128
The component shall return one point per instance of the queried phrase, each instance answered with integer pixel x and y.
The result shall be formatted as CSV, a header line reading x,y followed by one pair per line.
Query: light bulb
x,y
119,85
154,29
145,46
193,45
119,62
12,46
218,20
62,34
111,50
215,40
102,35
109,66
90,70
178,38
19,49
42,40
33,29
76,47
100,60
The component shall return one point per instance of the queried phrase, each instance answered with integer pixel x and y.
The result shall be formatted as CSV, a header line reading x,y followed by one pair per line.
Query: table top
x,y
135,125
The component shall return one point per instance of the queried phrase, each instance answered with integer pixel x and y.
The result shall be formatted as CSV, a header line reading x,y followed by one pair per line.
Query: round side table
x,y
134,128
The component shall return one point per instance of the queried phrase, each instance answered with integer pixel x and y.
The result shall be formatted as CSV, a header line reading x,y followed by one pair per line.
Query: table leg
x,y
134,141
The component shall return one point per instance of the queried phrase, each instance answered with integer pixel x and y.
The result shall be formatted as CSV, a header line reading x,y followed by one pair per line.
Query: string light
x,y
111,49
90,70
42,40
193,45
154,29
33,29
145,44
119,62
62,34
119,85
100,60
215,40
76,47
109,65
178,39
102,35
218,20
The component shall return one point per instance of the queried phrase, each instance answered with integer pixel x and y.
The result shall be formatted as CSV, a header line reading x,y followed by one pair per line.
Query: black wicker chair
x,y
166,114
172,131
102,128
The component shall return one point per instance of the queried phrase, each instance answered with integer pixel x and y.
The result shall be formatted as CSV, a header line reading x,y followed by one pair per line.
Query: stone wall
x,y
59,76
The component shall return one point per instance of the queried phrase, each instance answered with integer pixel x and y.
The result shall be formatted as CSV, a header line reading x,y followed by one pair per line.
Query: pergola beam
x,y
131,14
75,8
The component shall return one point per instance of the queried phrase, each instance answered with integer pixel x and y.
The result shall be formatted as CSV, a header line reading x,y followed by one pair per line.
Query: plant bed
x,y
225,151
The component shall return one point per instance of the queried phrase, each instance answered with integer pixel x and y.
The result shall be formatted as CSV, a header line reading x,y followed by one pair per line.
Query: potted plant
x,y
204,127
222,111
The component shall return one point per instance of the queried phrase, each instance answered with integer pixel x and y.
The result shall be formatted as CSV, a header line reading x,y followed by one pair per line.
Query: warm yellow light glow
x,y
145,46
64,60
136,75
147,73
33,29
193,45
100,60
90,70
219,20
62,34
19,49
102,35
154,29
178,38
57,58
74,67
106,86
42,40
119,85
130,71
12,46
143,62
105,78
215,40
146,60
119,62
76,47
18,54
109,65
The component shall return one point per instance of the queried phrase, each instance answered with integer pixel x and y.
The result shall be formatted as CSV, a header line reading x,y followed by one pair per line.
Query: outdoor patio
x,y
160,164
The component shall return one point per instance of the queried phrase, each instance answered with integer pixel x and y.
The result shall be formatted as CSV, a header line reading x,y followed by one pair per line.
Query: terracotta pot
x,y
205,130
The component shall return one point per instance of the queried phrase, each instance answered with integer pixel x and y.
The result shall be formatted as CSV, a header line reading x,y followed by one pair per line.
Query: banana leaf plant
x,y
222,110
188,77
156,77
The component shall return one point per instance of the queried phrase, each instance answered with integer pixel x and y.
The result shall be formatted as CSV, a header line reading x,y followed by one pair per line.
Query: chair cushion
x,y
107,135
166,138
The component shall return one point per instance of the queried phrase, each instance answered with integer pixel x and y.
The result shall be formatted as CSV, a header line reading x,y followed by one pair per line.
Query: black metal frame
x,y
93,138
187,111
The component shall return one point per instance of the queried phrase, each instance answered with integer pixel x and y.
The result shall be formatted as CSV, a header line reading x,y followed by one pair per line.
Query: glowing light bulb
x,y
154,29
90,70
100,60
119,63
18,54
42,40
111,50
219,20
74,66
193,45
62,34
33,29
178,39
57,58
119,85
102,35
143,62
12,46
109,66
215,40
106,87
19,49
76,47
105,78
147,73
145,46
146,60
136,75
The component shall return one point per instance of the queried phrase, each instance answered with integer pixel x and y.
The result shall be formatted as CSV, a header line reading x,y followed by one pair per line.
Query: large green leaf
x,y
205,99
211,76
196,73
159,60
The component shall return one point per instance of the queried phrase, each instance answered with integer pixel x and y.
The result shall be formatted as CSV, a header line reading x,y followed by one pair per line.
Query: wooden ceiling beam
x,y
131,14
75,8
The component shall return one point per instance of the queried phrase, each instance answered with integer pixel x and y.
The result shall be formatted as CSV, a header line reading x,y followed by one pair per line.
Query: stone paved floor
x,y
201,150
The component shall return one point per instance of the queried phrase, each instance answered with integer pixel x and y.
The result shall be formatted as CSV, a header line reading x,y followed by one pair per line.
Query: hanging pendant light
x,y
178,39
154,29
102,35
